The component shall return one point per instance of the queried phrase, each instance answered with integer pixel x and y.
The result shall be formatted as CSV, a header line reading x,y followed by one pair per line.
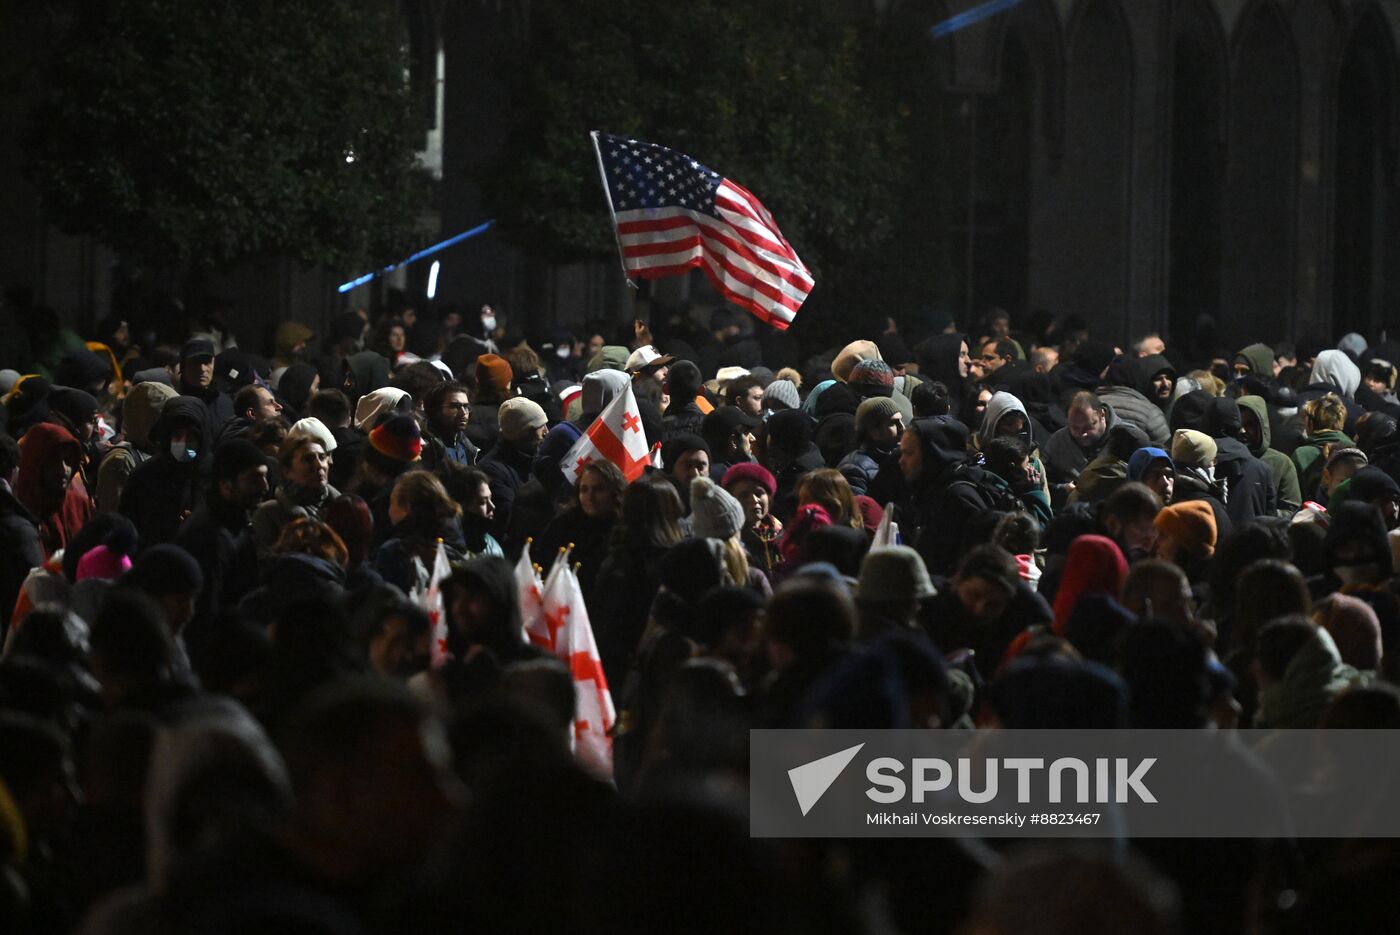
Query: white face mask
x,y
561,352
488,323
181,452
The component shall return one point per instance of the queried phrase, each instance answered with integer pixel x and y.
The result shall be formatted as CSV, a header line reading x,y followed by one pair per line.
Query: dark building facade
x,y
1141,163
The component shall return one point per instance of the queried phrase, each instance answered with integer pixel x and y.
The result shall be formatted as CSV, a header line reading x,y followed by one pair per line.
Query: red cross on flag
x,y
531,592
616,436
594,715
430,599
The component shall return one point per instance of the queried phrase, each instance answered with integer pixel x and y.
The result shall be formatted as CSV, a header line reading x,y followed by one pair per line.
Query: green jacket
x,y
1290,497
1309,460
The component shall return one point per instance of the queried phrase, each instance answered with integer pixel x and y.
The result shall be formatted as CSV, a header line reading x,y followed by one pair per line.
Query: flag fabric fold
x,y
672,214
887,533
566,616
531,593
616,436
431,600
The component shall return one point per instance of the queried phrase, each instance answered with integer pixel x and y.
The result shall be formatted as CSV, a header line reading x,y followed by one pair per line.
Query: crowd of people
x,y
217,708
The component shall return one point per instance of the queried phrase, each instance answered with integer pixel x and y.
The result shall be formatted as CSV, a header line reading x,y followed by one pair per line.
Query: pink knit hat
x,y
102,562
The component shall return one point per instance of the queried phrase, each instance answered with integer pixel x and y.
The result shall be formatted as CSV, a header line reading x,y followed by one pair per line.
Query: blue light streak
x,y
426,251
969,17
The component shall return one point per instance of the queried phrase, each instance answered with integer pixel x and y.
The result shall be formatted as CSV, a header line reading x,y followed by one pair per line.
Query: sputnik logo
x,y
811,780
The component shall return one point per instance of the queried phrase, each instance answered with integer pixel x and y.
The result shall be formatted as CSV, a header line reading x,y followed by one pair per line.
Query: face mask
x,y
488,323
561,352
182,452
1357,574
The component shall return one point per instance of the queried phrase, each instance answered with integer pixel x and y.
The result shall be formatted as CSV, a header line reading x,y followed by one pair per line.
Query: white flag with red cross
x,y
616,436
431,600
531,592
594,716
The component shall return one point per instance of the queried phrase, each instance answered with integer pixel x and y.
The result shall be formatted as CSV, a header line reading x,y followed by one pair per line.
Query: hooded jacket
x,y
140,409
59,519
160,492
1125,393
1288,497
1259,358
1334,368
1149,367
949,492
1249,483
1314,676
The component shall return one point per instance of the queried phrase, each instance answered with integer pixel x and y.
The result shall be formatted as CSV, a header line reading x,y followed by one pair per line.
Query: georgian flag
x,y
566,617
531,592
616,436
431,600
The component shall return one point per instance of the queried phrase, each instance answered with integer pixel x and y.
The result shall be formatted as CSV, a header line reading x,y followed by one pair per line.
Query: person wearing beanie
x,y
397,439
753,487
685,457
1194,453
714,513
172,578
379,404
729,432
141,407
893,583
197,380
851,355
219,535
779,395
493,382
683,414
314,428
609,357
879,425
507,463
1186,535
871,378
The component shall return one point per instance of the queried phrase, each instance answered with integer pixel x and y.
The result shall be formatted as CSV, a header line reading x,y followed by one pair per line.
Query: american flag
x,y
673,213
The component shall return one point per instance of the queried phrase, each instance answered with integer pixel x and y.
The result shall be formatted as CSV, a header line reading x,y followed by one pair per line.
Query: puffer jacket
x,y
1126,392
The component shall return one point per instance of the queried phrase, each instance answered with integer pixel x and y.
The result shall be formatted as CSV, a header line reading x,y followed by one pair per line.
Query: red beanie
x,y
494,370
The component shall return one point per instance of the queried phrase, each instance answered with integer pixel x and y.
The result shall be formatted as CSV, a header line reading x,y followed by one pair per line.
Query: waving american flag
x,y
673,214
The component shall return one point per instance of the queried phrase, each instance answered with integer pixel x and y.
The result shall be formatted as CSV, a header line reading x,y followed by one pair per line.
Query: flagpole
x,y
607,193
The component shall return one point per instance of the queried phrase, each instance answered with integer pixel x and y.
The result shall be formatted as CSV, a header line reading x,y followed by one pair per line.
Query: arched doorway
x,y
1197,168
1084,261
1258,246
1364,221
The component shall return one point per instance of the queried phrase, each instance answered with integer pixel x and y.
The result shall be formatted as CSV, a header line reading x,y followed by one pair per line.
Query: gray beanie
x,y
714,513
518,417
783,392
894,573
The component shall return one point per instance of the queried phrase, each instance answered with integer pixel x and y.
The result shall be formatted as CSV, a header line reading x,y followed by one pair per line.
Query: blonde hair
x,y
1208,382
1325,412
828,489
736,560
